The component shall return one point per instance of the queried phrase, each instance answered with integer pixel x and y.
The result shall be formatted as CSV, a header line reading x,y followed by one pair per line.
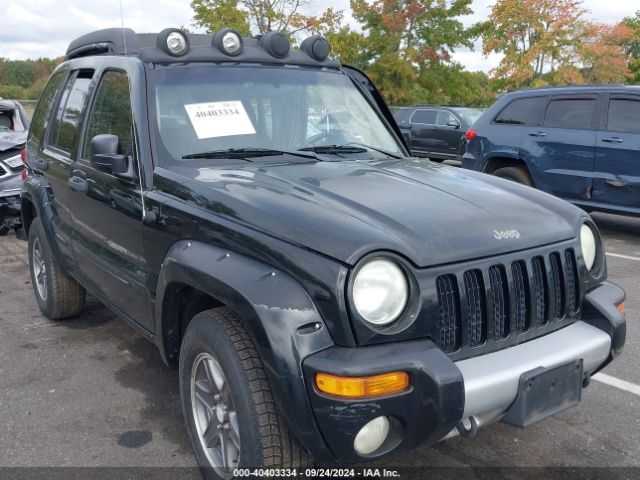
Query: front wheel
x,y
227,403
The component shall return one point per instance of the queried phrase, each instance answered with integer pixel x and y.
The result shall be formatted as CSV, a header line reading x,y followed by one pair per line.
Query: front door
x,y
107,211
617,169
563,148
448,134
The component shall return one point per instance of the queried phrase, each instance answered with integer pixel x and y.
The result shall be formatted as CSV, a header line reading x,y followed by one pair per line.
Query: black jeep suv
x,y
322,294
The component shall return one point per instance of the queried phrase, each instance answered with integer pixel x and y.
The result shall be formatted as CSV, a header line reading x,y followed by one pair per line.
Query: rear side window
x,y
624,115
575,113
111,112
427,117
41,113
64,131
522,111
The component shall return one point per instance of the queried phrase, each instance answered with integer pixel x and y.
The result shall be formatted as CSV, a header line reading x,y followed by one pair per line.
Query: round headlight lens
x,y
231,43
588,245
380,291
177,43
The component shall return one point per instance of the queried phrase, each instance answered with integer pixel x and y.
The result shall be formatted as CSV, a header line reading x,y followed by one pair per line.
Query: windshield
x,y
469,115
201,109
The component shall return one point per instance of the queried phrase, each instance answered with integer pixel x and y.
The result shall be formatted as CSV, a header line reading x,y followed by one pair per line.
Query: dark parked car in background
x,y
13,135
436,132
581,144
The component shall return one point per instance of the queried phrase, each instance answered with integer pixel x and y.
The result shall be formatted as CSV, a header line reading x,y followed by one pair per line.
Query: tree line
x,y
407,46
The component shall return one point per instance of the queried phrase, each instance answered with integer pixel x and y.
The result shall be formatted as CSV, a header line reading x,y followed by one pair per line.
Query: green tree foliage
x,y
25,79
632,46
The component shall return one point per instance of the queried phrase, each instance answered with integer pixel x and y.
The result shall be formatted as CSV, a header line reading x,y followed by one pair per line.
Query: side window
x,y
427,117
110,113
41,113
522,111
444,118
576,113
64,131
624,115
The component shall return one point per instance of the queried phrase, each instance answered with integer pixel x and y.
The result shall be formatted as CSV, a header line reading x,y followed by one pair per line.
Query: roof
x,y
126,42
577,89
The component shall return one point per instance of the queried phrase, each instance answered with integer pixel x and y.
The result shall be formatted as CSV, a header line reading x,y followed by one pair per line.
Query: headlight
x,y
588,245
380,291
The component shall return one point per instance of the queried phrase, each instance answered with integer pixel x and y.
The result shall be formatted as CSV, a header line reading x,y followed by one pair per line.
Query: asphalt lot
x,y
91,392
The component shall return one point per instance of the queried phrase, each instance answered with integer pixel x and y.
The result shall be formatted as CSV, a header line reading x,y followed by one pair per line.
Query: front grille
x,y
449,306
514,299
475,308
500,300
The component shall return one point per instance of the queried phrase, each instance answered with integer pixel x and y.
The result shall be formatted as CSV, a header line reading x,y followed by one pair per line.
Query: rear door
x,y
448,134
108,210
562,149
617,166
422,125
54,160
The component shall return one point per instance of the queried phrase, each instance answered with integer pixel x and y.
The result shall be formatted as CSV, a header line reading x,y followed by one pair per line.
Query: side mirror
x,y
453,123
105,157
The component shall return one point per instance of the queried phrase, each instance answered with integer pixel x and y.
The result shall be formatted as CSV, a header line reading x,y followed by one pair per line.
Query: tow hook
x,y
471,431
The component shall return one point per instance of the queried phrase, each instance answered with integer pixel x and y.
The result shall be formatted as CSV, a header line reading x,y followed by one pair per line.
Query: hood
x,y
429,213
10,140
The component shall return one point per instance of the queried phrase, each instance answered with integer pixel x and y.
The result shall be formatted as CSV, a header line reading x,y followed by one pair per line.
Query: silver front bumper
x,y
491,381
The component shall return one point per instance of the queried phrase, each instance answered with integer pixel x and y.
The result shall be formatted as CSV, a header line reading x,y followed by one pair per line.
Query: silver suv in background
x,y
14,125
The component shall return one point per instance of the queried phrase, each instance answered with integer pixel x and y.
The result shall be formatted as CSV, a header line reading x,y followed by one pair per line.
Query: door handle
x,y
537,134
40,165
78,184
616,183
613,140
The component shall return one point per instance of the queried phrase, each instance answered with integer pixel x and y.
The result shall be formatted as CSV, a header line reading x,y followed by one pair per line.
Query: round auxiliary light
x,y
316,47
228,41
380,291
371,437
276,43
588,245
173,41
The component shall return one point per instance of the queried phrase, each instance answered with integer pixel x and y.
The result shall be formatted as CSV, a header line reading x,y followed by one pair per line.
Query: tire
x,y
515,174
59,296
217,340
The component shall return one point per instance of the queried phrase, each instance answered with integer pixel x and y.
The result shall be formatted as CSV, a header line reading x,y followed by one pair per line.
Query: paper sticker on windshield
x,y
219,119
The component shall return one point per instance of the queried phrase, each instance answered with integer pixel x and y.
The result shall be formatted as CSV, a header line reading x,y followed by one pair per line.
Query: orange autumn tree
x,y
602,55
402,38
534,36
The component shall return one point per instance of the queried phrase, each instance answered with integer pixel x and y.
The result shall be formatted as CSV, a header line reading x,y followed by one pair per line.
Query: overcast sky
x,y
44,28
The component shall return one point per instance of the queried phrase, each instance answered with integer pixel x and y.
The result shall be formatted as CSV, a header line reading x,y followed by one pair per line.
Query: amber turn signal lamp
x,y
620,307
360,387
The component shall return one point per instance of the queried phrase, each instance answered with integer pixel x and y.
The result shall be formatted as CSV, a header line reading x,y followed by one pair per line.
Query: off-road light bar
x,y
362,387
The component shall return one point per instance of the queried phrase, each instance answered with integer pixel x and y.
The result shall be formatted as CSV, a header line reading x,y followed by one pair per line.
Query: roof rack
x,y
200,48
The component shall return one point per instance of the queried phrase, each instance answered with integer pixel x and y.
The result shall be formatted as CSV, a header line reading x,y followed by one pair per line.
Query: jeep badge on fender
x,y
252,209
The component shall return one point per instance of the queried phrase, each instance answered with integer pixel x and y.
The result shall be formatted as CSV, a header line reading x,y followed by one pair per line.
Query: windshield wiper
x,y
246,153
376,149
329,149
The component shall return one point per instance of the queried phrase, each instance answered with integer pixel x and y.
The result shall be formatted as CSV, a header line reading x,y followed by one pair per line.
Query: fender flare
x,y
275,308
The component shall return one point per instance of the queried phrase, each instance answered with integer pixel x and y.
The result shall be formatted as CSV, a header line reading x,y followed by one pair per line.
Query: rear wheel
x,y
515,174
227,403
58,295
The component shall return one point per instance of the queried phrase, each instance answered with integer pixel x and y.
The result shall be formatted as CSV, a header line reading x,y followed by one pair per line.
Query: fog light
x,y
371,437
